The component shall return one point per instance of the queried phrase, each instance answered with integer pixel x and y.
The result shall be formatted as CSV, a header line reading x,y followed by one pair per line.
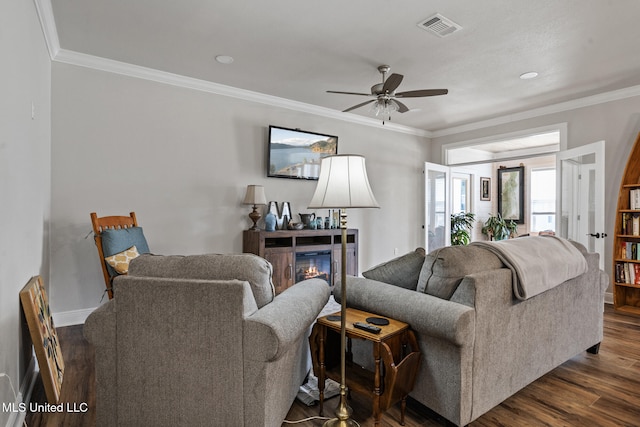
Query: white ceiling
x,y
298,50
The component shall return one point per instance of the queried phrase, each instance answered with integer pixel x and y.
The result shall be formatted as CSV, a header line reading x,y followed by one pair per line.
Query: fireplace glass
x,y
310,265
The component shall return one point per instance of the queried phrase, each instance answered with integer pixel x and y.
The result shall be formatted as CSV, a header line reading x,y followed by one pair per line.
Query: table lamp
x,y
343,184
255,196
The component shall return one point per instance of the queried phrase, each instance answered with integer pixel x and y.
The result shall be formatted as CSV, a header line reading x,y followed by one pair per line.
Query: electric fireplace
x,y
311,265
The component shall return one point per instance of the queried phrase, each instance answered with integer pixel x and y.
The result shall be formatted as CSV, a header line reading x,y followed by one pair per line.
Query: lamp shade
x,y
255,195
343,183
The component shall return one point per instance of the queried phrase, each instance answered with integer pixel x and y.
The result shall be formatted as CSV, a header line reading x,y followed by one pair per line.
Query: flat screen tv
x,y
294,153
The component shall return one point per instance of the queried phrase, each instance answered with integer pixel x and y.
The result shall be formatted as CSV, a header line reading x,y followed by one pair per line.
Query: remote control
x,y
366,327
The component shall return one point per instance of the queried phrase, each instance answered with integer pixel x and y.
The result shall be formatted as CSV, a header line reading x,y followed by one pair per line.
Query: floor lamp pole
x,y
343,411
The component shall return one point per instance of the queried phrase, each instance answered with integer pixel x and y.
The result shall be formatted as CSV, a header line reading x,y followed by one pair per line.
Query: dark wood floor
x,y
588,390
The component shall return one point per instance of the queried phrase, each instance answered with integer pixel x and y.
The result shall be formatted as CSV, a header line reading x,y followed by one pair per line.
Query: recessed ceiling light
x,y
224,59
529,75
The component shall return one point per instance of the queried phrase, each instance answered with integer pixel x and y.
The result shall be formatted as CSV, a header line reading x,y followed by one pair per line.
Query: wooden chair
x,y
100,224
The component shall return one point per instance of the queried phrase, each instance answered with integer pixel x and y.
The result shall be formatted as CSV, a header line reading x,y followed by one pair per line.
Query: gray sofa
x,y
479,343
201,341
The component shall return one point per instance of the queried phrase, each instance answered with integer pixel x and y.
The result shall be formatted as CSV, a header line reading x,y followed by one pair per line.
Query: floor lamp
x,y
343,184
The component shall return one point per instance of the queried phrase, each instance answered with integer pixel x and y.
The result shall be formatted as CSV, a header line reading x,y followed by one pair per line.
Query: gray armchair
x,y
201,341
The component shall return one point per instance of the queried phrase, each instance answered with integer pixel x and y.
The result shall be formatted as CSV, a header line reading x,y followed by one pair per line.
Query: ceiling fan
x,y
385,95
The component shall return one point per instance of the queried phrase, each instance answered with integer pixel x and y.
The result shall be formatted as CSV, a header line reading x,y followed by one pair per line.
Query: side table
x,y
395,353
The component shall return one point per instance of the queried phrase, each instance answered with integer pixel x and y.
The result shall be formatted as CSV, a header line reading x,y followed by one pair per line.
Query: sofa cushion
x,y
444,268
402,271
247,267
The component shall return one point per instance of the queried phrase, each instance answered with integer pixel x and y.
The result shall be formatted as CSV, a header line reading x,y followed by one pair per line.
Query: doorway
x,y
578,175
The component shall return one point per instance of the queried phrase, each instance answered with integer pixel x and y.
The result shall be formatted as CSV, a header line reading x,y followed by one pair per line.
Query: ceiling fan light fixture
x,y
384,108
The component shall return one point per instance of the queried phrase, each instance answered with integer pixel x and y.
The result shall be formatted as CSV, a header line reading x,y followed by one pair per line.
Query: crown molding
x,y
574,104
57,54
48,24
136,71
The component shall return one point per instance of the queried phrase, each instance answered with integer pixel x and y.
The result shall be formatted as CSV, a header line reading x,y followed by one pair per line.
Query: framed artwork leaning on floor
x,y
44,337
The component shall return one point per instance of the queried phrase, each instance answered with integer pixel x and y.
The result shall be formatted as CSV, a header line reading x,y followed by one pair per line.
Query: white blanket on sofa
x,y
538,263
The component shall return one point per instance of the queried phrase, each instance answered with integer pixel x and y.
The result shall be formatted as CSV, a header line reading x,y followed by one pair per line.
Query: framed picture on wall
x,y
511,193
294,153
485,188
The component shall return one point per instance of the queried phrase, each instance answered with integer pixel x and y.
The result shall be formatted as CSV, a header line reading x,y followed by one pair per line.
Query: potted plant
x,y
497,228
461,224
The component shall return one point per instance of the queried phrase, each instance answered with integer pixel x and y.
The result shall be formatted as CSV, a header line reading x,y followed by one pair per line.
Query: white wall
x,y
181,159
615,122
24,177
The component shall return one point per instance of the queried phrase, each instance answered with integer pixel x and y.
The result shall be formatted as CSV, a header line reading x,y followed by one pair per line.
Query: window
x,y
543,199
460,193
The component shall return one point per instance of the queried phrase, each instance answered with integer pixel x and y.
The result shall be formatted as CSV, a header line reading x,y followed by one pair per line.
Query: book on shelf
x,y
630,224
634,198
629,250
628,272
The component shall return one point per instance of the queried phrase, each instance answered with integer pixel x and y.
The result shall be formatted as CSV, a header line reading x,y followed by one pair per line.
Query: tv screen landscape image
x,y
294,153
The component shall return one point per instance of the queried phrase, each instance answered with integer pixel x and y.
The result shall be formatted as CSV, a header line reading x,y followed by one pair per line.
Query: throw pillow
x,y
402,271
116,240
444,268
120,261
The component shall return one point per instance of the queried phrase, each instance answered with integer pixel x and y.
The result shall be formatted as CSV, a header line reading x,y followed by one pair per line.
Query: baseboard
x,y
17,416
16,419
73,317
608,298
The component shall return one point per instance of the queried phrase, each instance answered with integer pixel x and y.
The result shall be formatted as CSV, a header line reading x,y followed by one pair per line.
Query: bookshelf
x,y
626,241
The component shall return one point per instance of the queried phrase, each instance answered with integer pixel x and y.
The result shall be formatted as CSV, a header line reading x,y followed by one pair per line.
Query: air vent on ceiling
x,y
439,25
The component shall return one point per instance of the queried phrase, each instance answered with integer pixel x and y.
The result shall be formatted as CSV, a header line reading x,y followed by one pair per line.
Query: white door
x,y
437,226
580,202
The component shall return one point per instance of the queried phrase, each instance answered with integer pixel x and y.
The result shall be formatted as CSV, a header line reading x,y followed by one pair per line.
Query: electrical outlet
x,y
395,251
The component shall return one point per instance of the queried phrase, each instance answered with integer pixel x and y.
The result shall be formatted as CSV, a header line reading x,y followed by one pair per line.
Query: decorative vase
x,y
270,222
307,219
283,216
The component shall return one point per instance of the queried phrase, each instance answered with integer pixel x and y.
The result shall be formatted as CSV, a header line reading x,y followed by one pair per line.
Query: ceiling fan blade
x,y
401,107
392,82
359,105
423,92
349,93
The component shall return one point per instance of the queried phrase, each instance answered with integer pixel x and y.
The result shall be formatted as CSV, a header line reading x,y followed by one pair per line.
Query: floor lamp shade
x,y
343,183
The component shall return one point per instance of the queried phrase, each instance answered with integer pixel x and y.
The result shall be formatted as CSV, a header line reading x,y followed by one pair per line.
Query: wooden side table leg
x,y
403,404
321,375
376,384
